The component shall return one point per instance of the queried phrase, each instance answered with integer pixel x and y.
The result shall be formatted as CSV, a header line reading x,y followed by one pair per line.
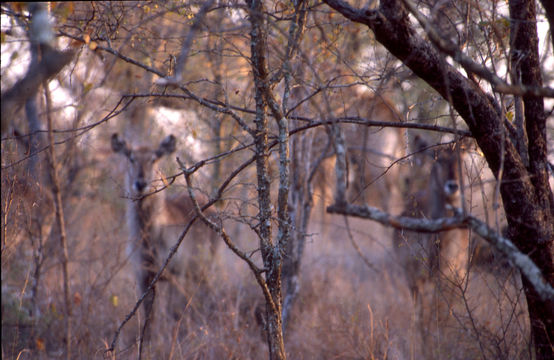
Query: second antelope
x,y
155,221
424,257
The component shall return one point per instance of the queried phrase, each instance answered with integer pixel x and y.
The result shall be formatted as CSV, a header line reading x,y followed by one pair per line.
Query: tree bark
x,y
524,40
271,253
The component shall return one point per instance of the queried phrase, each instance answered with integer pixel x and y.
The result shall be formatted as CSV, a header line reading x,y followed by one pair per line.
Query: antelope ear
x,y
467,144
420,144
421,151
167,146
119,145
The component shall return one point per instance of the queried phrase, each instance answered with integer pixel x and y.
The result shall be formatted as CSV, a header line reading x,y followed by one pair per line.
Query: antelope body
x,y
427,257
155,221
370,153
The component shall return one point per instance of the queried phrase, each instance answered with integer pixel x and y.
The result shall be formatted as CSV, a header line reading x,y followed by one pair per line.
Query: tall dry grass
x,y
346,309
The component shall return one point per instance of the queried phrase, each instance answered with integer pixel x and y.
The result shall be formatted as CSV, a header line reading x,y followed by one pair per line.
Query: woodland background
x,y
254,92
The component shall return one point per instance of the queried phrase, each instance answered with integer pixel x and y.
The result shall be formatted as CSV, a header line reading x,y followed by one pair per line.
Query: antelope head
x,y
445,175
141,162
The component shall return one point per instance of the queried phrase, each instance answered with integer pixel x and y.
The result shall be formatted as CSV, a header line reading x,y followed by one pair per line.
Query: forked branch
x,y
223,234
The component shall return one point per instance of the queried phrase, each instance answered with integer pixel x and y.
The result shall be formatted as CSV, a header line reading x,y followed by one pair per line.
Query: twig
x,y
357,247
183,56
80,131
223,234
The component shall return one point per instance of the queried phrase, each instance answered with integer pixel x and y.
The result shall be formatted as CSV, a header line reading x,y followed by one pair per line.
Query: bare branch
x,y
183,56
223,234
524,264
226,109
451,49
80,131
52,62
157,277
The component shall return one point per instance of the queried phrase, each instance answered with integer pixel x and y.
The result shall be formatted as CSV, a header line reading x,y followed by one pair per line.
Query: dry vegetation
x,y
353,300
345,310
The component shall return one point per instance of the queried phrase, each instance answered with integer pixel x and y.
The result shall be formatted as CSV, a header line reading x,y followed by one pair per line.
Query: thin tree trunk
x,y
56,191
271,253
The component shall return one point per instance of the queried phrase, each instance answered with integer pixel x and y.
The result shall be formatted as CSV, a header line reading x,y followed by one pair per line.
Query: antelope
x,y
155,221
425,257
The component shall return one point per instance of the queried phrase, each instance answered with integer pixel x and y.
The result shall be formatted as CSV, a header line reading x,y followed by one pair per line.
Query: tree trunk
x,y
271,253
535,237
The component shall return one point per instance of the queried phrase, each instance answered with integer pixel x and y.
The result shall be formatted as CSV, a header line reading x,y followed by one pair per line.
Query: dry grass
x,y
345,310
